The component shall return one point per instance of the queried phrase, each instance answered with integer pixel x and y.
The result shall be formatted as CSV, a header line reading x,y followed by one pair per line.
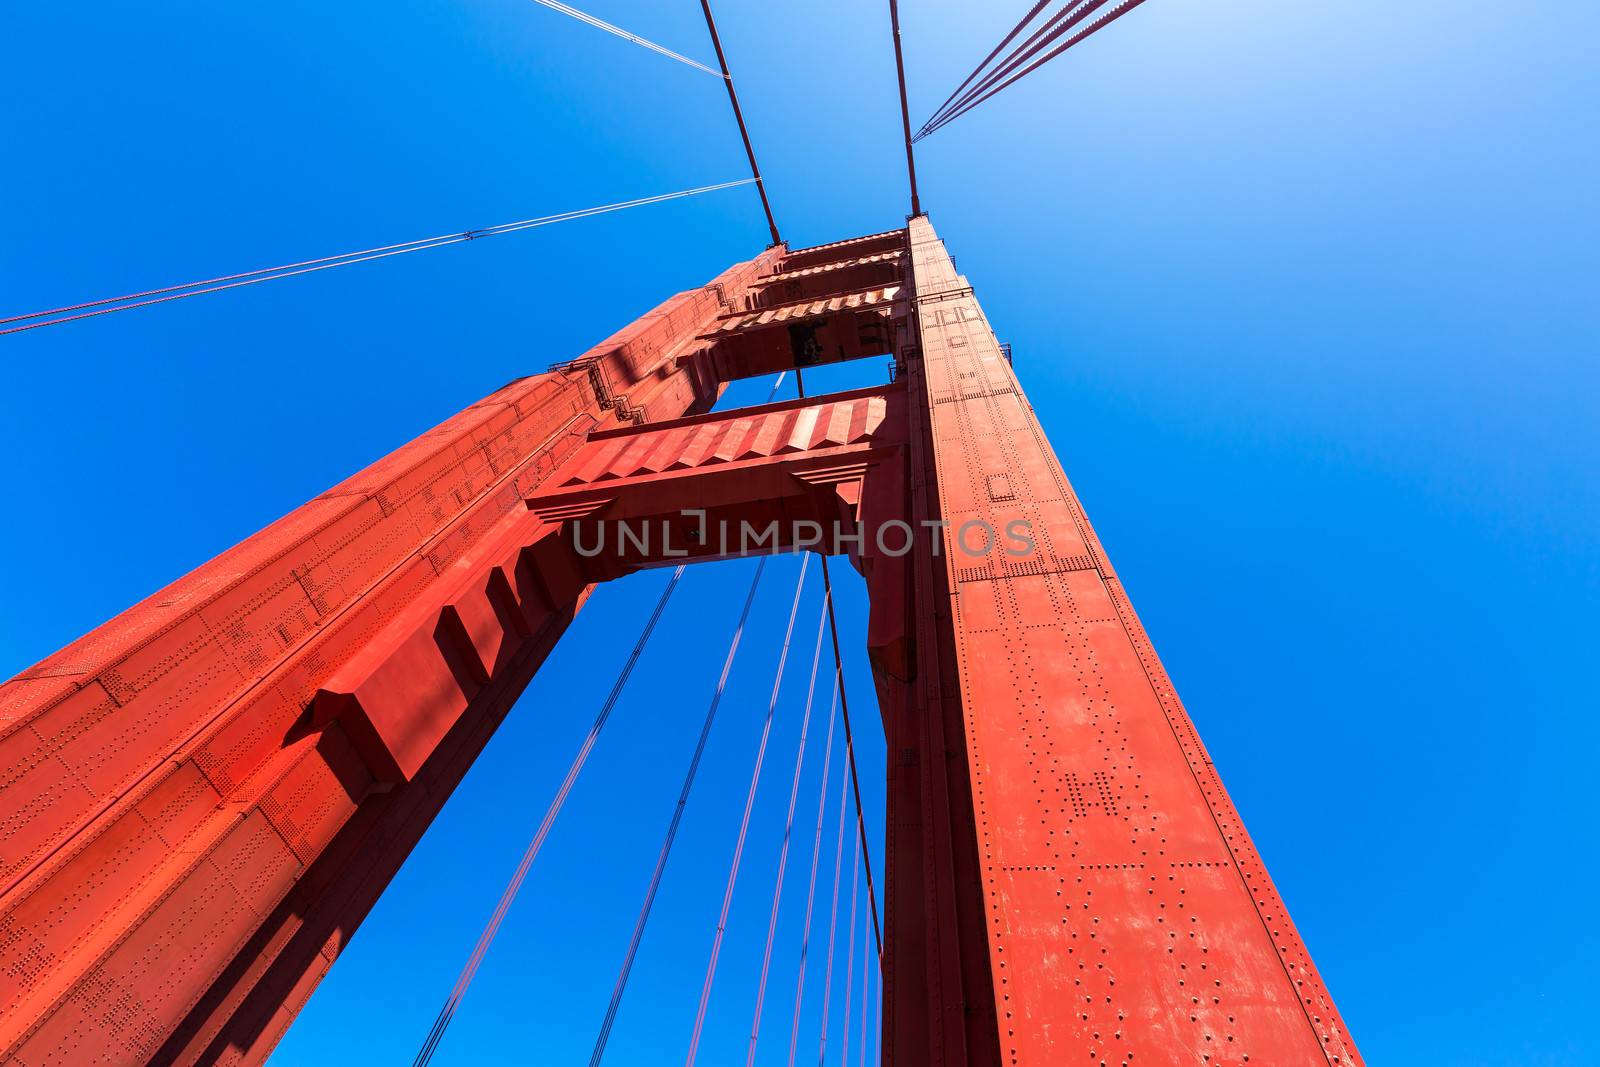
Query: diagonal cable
x,y
128,301
672,827
493,927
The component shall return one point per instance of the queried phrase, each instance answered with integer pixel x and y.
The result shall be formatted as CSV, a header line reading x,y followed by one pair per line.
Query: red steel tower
x,y
201,799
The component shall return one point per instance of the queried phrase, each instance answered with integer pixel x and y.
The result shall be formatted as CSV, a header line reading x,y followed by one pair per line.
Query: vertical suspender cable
x,y
493,926
866,984
850,749
677,813
850,956
833,921
738,116
672,827
849,741
811,887
744,822
783,852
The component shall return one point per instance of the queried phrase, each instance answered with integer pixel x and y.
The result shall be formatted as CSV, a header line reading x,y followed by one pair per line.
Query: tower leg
x,y
1127,916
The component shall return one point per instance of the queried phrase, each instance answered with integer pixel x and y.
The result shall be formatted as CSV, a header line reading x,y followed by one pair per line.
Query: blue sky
x,y
1305,295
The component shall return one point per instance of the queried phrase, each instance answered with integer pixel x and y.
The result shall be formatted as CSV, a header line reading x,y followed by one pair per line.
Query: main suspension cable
x,y
788,830
905,110
849,740
1059,23
1041,36
672,827
738,116
1033,13
128,301
744,822
1094,27
977,96
556,5
490,929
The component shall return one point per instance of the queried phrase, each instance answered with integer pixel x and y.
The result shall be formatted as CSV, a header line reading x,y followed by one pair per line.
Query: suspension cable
x,y
1094,27
128,301
849,740
677,814
850,750
850,956
866,985
833,921
783,852
1076,10
672,827
811,886
1059,23
744,822
905,110
1007,39
975,99
832,912
738,116
470,969
556,5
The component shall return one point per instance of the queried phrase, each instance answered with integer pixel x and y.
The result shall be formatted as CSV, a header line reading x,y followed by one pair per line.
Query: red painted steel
x,y
1089,893
201,799
187,837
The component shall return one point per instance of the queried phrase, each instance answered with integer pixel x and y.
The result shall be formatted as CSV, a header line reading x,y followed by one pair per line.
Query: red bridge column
x,y
1068,881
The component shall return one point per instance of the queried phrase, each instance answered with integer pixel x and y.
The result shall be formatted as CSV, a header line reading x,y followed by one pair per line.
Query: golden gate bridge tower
x,y
201,799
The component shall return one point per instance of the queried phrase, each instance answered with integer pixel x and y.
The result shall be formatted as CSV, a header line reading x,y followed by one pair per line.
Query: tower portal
x,y
202,798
